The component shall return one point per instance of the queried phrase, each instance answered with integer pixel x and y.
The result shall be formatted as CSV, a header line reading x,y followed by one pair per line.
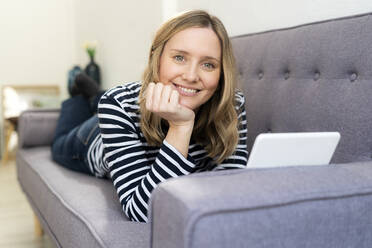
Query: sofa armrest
x,y
37,127
317,206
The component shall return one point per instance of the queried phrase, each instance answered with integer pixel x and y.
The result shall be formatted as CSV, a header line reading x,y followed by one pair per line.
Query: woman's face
x,y
191,64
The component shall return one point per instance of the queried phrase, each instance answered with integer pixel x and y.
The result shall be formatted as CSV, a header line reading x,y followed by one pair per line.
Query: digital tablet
x,y
293,149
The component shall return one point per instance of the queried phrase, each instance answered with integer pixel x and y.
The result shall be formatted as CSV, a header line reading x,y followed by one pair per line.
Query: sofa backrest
x,y
313,77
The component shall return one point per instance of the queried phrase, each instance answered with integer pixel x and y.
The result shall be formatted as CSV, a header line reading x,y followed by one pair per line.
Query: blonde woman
x,y
185,116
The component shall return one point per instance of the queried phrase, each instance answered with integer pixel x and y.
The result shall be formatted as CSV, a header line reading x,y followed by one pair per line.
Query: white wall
x,y
36,41
37,44
249,16
124,31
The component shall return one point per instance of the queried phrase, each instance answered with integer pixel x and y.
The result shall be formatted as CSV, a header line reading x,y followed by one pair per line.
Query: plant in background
x,y
90,48
92,69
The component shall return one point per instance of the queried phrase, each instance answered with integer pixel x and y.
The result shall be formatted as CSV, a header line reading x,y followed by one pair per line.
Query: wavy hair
x,y
216,122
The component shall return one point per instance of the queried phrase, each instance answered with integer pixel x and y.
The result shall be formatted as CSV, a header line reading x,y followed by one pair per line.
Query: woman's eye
x,y
209,66
179,58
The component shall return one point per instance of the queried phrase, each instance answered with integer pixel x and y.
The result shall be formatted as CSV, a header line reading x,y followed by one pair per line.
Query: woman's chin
x,y
187,104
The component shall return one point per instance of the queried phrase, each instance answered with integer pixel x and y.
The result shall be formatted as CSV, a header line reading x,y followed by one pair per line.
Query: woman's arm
x,y
163,101
134,173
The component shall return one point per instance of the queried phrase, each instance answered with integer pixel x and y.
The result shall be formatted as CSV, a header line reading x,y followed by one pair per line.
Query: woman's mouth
x,y
186,91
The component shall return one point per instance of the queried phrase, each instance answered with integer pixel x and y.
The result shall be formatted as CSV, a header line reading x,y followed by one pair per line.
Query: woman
x,y
184,117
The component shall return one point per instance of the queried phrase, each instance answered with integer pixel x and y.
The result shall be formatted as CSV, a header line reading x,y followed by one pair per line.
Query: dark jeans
x,y
76,128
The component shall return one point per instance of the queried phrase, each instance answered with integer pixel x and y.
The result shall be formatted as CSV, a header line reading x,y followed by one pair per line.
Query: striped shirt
x,y
135,167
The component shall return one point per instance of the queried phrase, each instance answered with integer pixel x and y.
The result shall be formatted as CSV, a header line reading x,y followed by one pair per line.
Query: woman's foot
x,y
85,85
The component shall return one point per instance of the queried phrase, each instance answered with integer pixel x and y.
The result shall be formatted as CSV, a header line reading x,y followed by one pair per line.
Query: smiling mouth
x,y
186,91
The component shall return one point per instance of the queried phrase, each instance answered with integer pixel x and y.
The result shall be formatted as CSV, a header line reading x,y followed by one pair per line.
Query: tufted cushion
x,y
314,77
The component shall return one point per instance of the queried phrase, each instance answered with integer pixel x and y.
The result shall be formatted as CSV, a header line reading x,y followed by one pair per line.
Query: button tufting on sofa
x,y
316,75
260,75
240,71
286,74
353,76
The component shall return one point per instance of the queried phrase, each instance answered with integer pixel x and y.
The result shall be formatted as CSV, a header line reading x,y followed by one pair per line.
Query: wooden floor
x,y
16,216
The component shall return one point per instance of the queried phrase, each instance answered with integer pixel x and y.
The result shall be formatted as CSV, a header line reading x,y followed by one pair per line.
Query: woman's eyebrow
x,y
185,52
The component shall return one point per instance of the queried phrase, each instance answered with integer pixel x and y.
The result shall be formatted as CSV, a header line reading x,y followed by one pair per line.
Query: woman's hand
x,y
163,100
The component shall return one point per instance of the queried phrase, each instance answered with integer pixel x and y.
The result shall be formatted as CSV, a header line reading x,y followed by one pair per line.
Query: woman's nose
x,y
191,73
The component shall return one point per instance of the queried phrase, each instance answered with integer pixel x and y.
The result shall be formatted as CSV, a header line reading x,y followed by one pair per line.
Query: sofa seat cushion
x,y
76,210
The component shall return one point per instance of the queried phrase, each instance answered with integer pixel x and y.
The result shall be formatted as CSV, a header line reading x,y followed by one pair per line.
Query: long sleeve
x,y
135,173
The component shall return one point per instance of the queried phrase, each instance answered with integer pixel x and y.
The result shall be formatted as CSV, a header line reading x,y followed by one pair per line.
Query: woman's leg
x,y
95,100
74,111
67,149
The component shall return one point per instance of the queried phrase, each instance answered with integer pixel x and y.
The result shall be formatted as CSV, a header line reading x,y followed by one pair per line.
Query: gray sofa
x,y
314,77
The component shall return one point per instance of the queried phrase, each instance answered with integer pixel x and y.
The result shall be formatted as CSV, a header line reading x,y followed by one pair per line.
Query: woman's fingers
x,y
149,95
156,98
165,96
174,98
164,101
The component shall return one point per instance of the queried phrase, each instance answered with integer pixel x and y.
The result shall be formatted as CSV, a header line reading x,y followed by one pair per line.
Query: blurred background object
x,y
92,69
71,77
17,98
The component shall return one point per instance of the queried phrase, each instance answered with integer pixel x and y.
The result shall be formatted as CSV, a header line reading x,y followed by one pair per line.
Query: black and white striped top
x,y
137,168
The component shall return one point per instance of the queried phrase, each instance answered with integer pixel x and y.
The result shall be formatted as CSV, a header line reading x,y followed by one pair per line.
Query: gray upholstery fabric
x,y
77,210
315,77
36,128
320,206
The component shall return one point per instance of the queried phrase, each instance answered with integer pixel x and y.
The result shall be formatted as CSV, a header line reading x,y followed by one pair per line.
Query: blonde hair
x,y
216,123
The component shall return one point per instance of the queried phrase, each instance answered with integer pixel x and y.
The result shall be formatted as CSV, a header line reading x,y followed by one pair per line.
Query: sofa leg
x,y
39,232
